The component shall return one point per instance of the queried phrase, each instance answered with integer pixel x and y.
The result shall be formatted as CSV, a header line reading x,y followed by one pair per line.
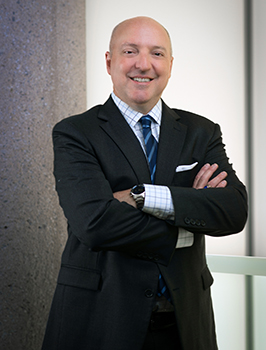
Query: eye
x,y
158,54
129,52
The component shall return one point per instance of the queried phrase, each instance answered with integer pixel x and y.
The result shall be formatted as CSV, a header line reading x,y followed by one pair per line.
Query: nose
x,y
143,62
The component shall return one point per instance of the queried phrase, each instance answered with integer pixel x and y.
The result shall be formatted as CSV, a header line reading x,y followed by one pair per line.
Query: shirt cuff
x,y
158,202
185,238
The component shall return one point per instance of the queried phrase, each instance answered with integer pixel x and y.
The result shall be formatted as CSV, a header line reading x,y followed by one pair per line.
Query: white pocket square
x,y
185,167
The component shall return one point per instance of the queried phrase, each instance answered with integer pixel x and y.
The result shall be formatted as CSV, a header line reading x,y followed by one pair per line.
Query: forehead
x,y
141,34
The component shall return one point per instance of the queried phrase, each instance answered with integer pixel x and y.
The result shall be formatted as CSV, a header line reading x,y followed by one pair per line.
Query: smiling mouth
x,y
142,80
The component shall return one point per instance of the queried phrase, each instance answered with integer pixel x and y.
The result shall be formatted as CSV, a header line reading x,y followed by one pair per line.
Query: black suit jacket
x,y
114,253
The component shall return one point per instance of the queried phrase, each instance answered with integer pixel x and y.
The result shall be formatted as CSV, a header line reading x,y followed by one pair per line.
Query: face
x,y
140,62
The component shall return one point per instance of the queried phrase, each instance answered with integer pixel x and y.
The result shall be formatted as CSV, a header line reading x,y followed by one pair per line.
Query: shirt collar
x,y
132,116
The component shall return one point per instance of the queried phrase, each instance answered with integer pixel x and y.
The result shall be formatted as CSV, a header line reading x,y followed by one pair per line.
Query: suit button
x,y
149,293
156,257
197,222
187,220
139,254
193,222
203,223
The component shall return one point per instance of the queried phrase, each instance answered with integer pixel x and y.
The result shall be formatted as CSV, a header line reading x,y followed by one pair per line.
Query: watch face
x,y
138,189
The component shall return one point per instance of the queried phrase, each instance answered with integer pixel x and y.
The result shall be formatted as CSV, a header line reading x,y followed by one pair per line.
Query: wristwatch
x,y
138,194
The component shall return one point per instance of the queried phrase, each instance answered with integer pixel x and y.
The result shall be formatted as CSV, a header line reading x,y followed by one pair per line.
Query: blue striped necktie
x,y
150,143
151,152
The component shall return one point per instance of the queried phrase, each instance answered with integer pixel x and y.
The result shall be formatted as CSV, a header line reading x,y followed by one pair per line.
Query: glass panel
x,y
228,294
259,304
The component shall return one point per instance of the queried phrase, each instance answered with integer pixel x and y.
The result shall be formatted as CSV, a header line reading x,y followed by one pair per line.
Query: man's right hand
x,y
202,179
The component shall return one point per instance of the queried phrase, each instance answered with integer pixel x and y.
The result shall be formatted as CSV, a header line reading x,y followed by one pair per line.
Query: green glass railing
x,y
243,265
253,269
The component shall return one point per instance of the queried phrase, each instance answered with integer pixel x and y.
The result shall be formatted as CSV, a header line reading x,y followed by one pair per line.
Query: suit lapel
x,y
172,138
114,124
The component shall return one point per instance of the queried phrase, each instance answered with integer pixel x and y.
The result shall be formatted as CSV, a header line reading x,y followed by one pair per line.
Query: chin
x,y
140,99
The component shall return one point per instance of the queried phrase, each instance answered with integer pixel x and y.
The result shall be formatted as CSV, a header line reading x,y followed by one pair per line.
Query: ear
x,y
171,66
108,62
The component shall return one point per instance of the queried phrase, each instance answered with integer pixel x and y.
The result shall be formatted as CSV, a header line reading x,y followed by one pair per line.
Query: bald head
x,y
136,21
139,62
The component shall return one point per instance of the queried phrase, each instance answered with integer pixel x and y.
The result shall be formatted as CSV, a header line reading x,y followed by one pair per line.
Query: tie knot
x,y
146,121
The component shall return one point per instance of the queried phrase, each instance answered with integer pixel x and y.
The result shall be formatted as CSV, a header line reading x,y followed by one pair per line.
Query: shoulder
x,y
193,122
185,117
80,121
91,119
192,119
77,128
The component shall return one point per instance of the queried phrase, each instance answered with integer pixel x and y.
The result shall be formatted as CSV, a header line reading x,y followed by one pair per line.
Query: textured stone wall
x,y
42,80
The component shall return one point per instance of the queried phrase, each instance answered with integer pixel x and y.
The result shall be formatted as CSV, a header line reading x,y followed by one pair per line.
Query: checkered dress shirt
x,y
158,199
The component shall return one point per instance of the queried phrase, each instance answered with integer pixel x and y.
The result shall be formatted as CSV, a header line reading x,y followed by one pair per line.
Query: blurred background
x,y
51,66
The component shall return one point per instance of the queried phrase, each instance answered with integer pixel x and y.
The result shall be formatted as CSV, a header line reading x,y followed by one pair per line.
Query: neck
x,y
141,108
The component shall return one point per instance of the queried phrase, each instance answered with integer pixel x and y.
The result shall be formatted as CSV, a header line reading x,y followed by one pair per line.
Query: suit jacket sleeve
x,y
213,211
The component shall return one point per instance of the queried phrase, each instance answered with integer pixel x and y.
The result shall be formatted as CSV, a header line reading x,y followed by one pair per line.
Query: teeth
x,y
142,80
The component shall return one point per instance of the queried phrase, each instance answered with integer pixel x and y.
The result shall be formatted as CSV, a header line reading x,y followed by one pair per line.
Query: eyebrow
x,y
135,45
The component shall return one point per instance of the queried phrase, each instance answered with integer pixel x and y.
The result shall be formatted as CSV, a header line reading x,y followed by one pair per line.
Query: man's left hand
x,y
202,179
124,196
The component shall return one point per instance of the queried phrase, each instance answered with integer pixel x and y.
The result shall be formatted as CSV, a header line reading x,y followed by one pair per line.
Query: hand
x,y
124,196
202,179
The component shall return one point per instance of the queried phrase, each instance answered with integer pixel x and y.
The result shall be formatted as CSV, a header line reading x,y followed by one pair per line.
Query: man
x,y
138,205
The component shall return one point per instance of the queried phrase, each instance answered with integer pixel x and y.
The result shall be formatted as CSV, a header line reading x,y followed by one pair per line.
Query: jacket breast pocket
x,y
80,278
185,178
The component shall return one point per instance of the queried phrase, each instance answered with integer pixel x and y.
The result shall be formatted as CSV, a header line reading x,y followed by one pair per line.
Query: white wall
x,y
259,165
259,126
208,72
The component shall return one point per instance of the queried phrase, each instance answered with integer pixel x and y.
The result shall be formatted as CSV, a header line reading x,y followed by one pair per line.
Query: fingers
x,y
202,179
222,184
124,196
218,181
198,180
203,176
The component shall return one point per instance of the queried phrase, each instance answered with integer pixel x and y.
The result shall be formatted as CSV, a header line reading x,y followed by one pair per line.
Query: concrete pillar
x,y
42,74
